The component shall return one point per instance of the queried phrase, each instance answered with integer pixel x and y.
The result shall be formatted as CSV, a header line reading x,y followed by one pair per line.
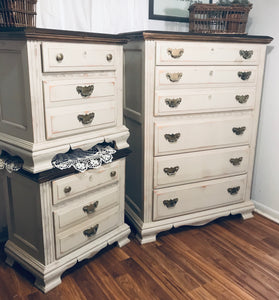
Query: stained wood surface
x,y
227,259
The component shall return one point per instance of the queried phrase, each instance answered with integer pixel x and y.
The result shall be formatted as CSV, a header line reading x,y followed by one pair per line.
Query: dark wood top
x,y
60,36
188,36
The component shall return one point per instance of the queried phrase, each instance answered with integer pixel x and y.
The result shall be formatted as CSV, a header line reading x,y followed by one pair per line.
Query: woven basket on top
x,y
18,13
213,18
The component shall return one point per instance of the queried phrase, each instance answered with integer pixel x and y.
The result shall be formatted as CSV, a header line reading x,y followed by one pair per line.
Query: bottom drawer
x,y
86,232
180,200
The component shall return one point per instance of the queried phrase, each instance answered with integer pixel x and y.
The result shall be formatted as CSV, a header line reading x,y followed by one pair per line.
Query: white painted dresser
x,y
60,91
192,105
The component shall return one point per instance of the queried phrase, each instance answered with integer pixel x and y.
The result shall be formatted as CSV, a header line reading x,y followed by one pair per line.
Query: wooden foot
x,y
10,261
247,215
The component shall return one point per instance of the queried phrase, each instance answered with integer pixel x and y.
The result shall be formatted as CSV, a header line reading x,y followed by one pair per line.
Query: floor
x,y
226,259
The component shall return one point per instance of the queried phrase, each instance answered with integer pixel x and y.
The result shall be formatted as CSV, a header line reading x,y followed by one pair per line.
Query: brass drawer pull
x,y
172,138
236,161
174,77
91,231
87,118
85,91
59,57
171,171
67,189
112,173
244,75
109,57
175,53
173,102
239,130
242,98
233,190
170,203
89,209
246,54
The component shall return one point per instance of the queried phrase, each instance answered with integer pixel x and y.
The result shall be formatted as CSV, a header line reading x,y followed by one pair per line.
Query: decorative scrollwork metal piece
x,y
174,77
171,171
87,118
91,231
170,203
239,130
233,190
89,209
85,91
172,103
173,137
236,161
246,54
242,98
175,53
244,75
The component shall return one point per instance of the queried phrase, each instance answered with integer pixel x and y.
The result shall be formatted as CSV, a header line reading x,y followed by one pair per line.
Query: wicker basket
x,y
18,13
213,18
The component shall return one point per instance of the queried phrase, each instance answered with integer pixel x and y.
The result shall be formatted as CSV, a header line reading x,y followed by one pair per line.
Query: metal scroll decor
x,y
10,163
82,160
85,91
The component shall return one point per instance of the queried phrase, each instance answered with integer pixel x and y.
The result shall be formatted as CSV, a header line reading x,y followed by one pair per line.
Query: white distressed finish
x,y
37,121
205,117
46,248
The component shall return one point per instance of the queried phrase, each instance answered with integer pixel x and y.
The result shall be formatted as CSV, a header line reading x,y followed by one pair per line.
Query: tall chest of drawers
x,y
192,105
61,94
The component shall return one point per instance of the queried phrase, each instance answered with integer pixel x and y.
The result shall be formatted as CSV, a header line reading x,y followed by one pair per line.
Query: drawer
x,y
63,57
71,186
194,53
188,101
63,121
197,166
77,90
86,232
86,207
180,200
202,132
182,77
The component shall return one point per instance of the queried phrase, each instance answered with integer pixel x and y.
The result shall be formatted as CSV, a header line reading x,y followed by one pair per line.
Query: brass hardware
x,y
242,98
172,138
170,203
89,209
173,102
91,231
87,118
67,189
246,54
175,53
244,75
112,173
233,190
109,57
171,171
85,91
239,130
174,77
59,57
236,161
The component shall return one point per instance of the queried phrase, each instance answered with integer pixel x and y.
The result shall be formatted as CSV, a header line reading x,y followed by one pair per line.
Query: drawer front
x,y
86,207
77,184
62,121
180,200
78,90
63,57
190,53
180,76
86,232
197,166
200,132
187,101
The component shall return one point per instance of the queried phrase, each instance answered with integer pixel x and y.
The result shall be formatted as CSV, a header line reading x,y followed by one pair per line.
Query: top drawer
x,y
61,57
201,53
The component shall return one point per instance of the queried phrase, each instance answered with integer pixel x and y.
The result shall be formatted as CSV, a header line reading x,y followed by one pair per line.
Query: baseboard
x,y
4,234
267,212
